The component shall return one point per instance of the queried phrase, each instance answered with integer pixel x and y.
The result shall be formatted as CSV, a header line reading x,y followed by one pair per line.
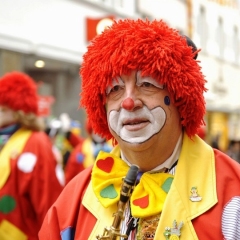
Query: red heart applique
x,y
105,164
142,202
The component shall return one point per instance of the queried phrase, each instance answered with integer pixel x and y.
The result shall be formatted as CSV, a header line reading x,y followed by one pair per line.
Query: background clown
x,y
28,170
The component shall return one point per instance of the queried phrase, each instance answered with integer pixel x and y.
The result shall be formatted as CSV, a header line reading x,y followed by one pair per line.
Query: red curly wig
x,y
19,92
157,51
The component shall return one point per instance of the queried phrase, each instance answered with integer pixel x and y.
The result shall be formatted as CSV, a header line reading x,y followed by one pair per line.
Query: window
x,y
202,28
235,43
220,38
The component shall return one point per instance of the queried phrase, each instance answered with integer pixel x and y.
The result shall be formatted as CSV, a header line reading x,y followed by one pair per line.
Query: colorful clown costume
x,y
27,157
84,209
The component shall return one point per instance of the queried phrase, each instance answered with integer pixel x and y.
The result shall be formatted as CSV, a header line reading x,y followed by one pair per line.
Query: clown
x,y
28,170
143,88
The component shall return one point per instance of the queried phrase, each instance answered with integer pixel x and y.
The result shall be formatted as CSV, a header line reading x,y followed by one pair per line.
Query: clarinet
x,y
113,232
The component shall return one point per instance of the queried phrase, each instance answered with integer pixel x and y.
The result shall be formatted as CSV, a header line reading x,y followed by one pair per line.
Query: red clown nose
x,y
128,104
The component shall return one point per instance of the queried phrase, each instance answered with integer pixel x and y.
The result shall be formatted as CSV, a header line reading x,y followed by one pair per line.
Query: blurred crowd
x,y
73,151
38,156
233,147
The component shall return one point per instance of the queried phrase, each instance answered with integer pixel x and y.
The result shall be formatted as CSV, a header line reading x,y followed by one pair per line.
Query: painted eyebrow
x,y
119,78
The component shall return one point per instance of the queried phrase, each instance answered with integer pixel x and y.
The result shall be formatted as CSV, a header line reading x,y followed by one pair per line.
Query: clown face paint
x,y
139,109
7,116
137,126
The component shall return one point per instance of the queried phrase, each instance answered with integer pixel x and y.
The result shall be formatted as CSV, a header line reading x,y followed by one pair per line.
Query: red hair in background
x,y
18,91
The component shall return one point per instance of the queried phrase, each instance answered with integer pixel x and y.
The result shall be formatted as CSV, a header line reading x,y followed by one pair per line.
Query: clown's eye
x,y
115,87
147,84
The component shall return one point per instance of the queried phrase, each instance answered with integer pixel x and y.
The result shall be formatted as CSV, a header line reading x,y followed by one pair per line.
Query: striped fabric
x,y
231,220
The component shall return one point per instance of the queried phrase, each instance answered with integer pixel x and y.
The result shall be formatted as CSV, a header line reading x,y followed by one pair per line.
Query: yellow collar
x,y
196,168
12,148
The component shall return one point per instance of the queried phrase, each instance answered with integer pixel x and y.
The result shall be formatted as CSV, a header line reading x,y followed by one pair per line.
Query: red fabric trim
x,y
208,225
58,218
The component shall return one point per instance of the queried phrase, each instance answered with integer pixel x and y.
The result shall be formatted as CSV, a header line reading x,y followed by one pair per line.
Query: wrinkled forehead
x,y
134,75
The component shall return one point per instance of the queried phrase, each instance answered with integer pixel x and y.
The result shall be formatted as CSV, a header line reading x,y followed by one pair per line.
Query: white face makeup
x,y
7,116
135,106
137,126
143,119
